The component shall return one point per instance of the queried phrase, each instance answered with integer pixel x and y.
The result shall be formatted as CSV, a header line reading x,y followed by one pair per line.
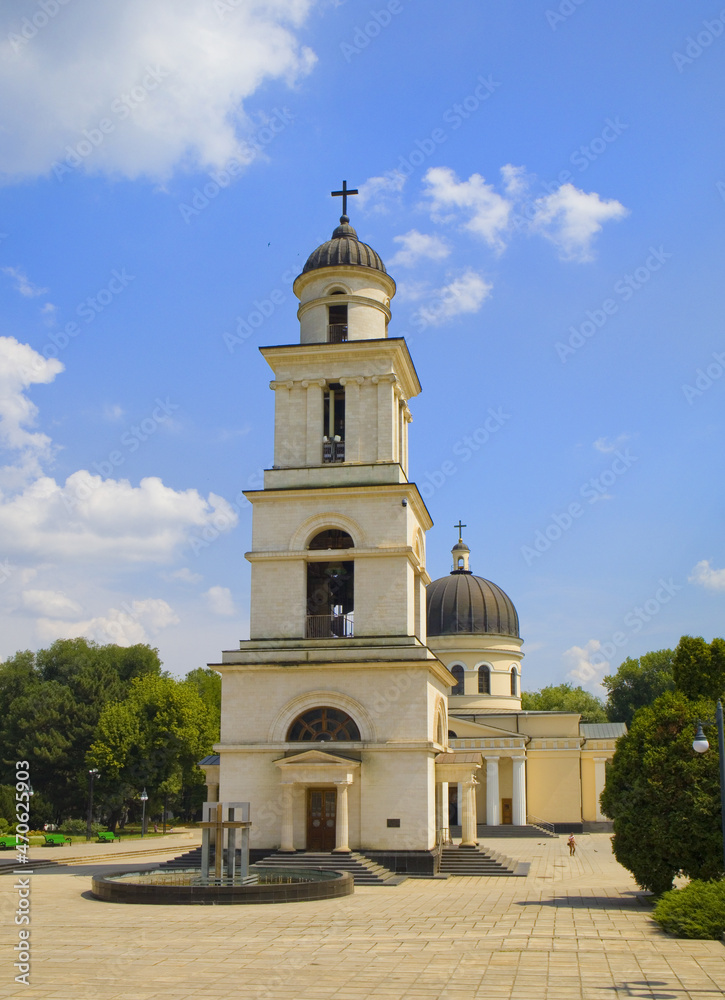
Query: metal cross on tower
x,y
460,529
343,194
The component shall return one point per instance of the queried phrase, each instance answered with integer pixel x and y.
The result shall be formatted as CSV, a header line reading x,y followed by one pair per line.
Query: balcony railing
x,y
337,333
329,626
333,451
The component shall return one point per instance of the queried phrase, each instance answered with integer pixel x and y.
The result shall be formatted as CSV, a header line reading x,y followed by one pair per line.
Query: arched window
x,y
484,680
323,725
332,538
452,735
330,589
514,682
457,672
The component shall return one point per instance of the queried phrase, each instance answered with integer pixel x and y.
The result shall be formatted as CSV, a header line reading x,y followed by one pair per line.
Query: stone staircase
x,y
484,832
474,861
363,870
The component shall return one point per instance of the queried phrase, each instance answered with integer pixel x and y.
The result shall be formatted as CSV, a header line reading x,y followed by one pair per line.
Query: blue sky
x,y
547,186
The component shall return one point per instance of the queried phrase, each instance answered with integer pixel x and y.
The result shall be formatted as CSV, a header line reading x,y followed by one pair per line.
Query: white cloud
x,y
88,518
183,575
50,603
23,284
487,212
136,622
21,367
99,520
415,246
112,412
464,294
586,664
570,219
706,576
379,193
220,601
606,445
174,80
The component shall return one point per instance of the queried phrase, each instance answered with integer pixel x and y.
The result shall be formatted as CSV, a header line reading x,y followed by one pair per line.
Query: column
x,y
342,822
315,431
353,417
469,829
492,802
287,839
443,824
599,782
281,421
387,422
519,791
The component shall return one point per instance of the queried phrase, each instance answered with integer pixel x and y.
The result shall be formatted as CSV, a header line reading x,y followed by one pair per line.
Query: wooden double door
x,y
321,818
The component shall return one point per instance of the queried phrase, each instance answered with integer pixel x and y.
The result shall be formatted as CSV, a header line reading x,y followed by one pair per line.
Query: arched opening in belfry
x,y
333,423
337,322
330,588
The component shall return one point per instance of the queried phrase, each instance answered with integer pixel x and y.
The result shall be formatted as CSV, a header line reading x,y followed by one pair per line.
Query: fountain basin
x,y
186,887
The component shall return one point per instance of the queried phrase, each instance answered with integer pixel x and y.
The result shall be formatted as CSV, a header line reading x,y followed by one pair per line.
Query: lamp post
x,y
701,745
92,775
144,799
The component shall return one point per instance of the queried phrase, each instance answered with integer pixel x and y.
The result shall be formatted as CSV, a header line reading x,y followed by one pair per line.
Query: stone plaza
x,y
573,929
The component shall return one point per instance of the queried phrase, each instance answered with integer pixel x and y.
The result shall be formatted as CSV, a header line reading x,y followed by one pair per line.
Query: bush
x,y
77,827
697,911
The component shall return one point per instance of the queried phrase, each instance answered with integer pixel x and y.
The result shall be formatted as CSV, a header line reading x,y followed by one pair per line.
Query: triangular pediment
x,y
316,757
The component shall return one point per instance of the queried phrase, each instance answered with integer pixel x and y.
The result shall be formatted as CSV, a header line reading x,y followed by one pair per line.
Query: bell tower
x,y
337,649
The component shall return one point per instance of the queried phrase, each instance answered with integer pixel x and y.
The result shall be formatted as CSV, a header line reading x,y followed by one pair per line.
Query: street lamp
x,y
701,745
144,799
92,775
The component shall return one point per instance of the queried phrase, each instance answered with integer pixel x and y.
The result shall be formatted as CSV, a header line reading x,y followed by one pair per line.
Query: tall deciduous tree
x,y
50,703
663,797
209,685
699,668
153,739
565,698
638,682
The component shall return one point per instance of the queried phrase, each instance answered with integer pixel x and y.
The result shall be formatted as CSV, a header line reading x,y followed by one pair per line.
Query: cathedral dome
x,y
464,603
343,248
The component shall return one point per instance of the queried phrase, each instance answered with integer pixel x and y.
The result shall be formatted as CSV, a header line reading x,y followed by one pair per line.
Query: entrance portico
x,y
324,779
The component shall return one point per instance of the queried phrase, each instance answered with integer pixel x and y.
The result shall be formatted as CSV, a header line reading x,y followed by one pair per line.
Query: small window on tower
x,y
337,324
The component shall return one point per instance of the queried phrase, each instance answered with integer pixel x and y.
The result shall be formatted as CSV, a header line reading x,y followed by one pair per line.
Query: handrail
x,y
543,823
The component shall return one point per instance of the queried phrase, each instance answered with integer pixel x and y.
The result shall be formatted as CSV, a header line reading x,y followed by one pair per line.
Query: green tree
x,y
664,798
209,685
699,668
50,703
638,682
565,698
154,738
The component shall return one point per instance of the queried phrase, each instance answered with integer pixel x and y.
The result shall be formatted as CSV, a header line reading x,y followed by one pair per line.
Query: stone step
x,y
472,861
363,871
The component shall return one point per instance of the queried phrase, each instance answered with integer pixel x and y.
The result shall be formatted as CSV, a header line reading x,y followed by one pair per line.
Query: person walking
x,y
572,845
